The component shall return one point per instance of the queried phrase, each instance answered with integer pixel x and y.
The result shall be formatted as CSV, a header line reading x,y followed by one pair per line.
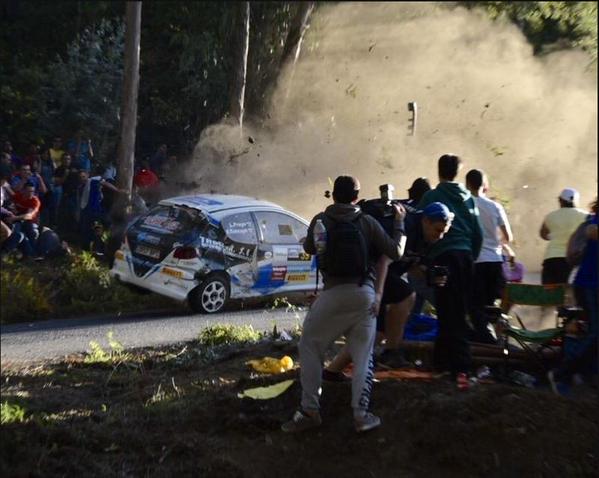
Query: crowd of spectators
x,y
57,194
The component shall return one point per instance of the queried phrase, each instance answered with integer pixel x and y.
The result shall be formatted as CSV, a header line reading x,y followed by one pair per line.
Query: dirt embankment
x,y
165,412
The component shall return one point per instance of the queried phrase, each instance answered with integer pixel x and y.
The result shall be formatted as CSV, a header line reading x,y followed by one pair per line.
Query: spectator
x,y
56,151
46,169
27,208
81,151
456,252
488,271
147,183
586,285
418,188
15,160
66,181
6,167
91,209
557,228
346,304
158,159
32,156
26,175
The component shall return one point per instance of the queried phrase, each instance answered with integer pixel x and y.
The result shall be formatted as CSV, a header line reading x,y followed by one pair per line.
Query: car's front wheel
x,y
211,295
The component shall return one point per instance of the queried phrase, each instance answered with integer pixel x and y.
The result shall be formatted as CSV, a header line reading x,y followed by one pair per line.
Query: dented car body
x,y
209,248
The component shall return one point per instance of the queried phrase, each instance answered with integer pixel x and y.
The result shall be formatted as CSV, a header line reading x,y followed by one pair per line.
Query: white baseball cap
x,y
570,195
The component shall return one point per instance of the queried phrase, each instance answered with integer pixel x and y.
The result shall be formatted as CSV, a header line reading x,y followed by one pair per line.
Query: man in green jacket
x,y
456,252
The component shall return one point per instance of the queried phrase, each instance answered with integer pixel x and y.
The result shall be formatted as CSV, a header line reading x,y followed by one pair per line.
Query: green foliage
x,y
574,24
82,90
22,297
227,334
74,285
97,355
11,413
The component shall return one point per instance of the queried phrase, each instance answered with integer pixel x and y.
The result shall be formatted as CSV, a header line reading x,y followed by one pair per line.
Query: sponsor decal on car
x,y
278,273
297,277
172,272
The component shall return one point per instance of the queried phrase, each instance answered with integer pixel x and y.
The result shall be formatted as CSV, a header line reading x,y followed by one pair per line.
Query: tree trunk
x,y
297,29
241,49
126,148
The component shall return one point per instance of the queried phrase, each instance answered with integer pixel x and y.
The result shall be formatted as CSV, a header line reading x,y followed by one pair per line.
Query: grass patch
x,y
226,334
11,413
64,287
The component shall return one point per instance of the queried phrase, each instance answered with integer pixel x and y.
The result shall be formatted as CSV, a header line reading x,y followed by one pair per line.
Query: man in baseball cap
x,y
557,228
570,195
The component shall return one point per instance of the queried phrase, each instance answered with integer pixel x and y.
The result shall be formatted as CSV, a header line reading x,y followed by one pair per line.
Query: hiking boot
x,y
366,422
335,377
300,422
462,381
392,359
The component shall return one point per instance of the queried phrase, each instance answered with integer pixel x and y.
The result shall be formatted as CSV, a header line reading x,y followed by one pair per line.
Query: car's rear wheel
x,y
211,295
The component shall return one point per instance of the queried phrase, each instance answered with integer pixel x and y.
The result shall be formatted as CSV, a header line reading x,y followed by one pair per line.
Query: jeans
x,y
452,349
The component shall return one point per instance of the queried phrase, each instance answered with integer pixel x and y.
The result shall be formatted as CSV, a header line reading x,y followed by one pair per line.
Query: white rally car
x,y
208,248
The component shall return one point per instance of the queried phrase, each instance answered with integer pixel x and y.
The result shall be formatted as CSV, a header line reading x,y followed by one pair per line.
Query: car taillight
x,y
185,253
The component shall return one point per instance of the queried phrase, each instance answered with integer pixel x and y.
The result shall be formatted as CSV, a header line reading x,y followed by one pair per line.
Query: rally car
x,y
206,249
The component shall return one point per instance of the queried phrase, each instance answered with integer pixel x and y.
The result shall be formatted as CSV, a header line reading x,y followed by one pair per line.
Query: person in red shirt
x,y
147,182
27,207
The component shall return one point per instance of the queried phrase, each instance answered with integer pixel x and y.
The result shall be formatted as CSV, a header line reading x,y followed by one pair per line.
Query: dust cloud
x,y
529,122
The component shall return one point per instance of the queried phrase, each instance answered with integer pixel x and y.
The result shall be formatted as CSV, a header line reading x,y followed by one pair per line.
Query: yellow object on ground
x,y
271,364
265,393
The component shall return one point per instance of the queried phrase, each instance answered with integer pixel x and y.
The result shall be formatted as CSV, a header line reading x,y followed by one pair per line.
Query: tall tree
x,y
297,29
241,49
126,149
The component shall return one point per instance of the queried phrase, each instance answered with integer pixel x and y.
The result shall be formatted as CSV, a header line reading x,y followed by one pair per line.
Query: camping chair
x,y
535,343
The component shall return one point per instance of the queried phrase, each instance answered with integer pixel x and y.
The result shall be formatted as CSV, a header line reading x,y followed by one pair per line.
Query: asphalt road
x,y
53,339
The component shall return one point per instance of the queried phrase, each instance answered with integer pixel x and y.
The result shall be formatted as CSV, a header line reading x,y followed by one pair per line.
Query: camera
x,y
434,272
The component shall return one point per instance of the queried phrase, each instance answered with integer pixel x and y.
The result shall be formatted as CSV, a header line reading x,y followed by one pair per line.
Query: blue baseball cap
x,y
437,211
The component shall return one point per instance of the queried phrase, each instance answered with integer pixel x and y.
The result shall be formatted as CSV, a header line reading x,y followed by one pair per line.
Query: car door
x,y
239,249
282,262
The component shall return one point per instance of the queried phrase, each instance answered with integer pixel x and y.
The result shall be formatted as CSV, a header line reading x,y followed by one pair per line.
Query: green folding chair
x,y
535,343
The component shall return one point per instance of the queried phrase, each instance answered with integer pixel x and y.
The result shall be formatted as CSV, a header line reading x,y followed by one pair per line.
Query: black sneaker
x,y
392,359
335,377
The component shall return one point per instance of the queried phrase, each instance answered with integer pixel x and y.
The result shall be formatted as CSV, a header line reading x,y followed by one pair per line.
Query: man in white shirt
x,y
488,272
557,228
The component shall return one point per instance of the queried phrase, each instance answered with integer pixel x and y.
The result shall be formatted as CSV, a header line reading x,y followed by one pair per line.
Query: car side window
x,y
240,228
280,228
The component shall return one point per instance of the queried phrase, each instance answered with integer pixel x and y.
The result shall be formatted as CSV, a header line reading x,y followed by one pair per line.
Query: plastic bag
x,y
271,364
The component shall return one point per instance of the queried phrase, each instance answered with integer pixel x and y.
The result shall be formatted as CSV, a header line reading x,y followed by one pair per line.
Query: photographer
x,y
423,229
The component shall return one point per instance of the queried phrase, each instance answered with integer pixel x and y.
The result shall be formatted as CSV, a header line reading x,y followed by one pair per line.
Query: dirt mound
x,y
163,412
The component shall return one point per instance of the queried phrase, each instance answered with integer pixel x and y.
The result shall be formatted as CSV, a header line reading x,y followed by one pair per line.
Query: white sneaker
x,y
366,422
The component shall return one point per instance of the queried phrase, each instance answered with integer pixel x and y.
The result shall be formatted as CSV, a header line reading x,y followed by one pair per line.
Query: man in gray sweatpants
x,y
344,307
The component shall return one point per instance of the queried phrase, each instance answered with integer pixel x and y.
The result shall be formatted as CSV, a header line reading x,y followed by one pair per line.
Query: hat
x,y
570,195
438,211
346,188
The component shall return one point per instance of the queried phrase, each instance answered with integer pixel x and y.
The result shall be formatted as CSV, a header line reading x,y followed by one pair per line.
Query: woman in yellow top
x,y
557,228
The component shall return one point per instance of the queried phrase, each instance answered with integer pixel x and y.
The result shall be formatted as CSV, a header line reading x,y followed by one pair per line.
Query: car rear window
x,y
170,219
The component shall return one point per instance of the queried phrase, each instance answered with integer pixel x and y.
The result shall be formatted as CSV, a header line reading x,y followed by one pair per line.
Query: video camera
x,y
382,207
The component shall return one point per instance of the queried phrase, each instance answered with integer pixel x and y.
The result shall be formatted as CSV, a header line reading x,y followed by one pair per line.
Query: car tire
x,y
211,295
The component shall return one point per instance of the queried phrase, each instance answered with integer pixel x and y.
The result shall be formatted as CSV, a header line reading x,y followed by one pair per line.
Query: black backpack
x,y
347,250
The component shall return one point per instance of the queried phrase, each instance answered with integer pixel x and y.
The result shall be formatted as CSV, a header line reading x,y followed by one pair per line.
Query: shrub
x,y
22,297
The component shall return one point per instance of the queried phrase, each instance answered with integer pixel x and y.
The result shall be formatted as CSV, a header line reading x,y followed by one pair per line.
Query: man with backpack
x,y
345,306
